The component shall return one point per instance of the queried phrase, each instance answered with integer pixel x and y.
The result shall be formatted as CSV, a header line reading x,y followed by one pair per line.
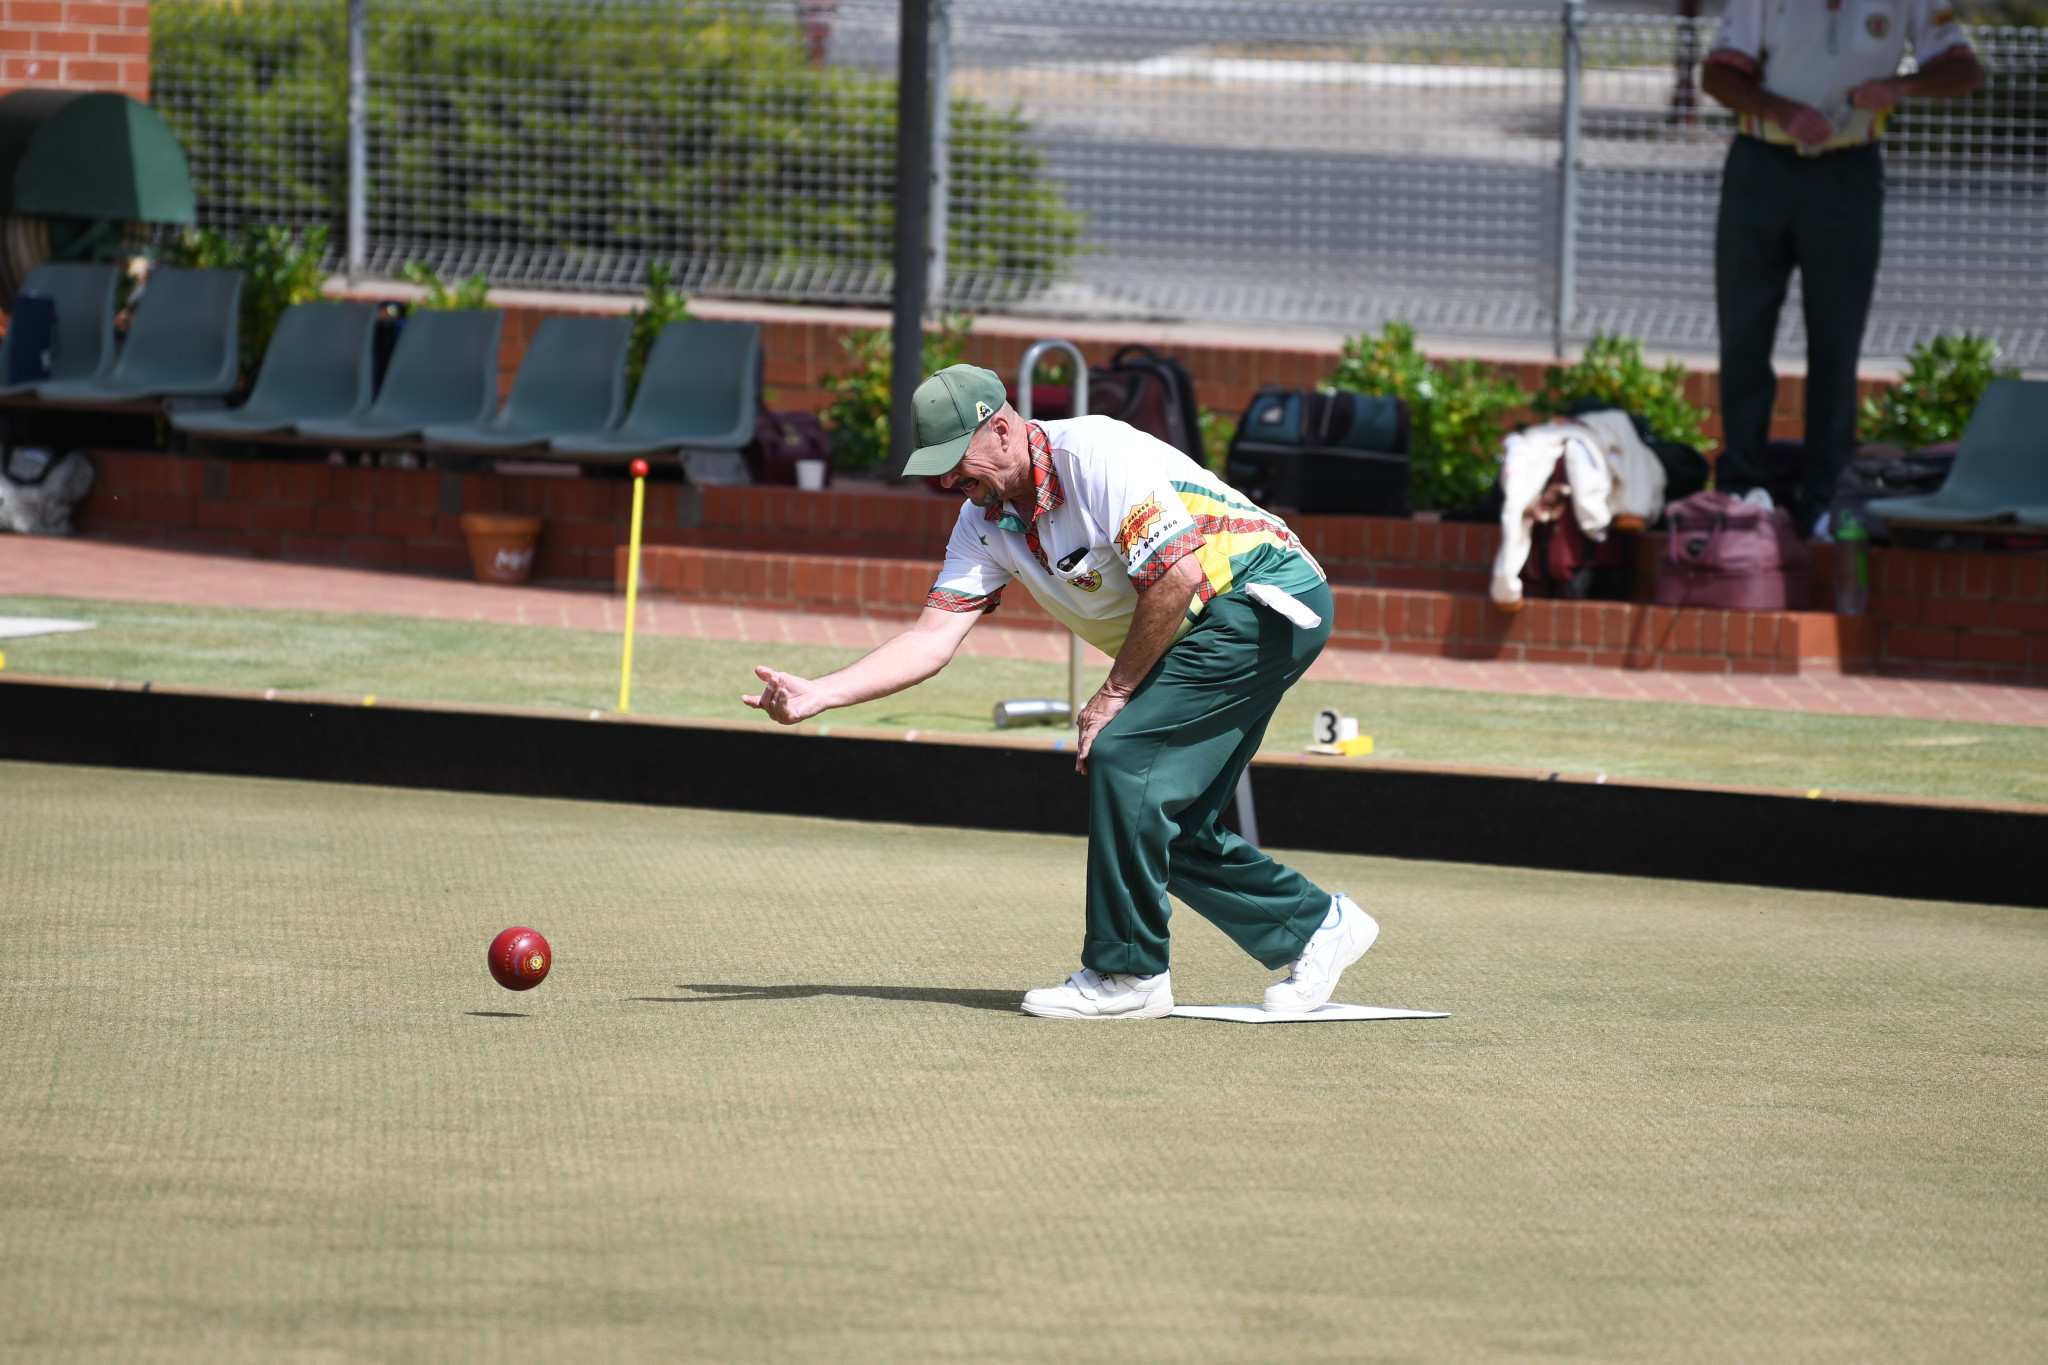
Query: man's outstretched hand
x,y
786,698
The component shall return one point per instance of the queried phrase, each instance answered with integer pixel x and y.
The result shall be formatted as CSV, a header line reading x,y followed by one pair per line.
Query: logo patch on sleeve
x,y
1137,525
1943,16
1877,25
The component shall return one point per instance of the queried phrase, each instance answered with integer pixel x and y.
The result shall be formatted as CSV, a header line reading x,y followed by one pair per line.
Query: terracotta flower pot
x,y
500,546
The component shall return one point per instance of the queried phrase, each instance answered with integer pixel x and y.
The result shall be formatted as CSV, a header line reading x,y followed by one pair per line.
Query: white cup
x,y
810,475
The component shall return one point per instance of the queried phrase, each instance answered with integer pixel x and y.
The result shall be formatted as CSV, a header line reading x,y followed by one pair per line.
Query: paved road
x,y
1262,163
1201,230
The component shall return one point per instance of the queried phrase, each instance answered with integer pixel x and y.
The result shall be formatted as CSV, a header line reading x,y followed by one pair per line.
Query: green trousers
x,y
1159,776
1825,215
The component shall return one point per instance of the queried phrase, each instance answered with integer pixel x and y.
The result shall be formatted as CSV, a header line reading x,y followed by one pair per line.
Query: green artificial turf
x,y
261,1102
424,660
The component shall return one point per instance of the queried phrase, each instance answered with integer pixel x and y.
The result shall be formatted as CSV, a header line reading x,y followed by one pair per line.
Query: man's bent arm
x,y
1742,90
901,661
1955,72
1160,610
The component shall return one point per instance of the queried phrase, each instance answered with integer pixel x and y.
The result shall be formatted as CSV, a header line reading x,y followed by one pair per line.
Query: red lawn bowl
x,y
520,959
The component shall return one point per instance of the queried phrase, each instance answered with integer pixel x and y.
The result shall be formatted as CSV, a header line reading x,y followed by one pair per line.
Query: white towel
x,y
1266,595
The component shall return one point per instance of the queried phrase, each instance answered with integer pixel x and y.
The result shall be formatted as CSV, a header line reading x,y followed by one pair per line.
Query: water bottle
x,y
1852,565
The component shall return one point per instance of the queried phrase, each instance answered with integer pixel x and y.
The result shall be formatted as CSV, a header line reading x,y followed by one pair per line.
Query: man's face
x,y
997,464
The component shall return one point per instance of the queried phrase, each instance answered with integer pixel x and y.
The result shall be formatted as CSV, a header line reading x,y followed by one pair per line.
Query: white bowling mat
x,y
21,627
1332,1013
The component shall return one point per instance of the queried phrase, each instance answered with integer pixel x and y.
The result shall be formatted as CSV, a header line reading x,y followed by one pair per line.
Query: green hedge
x,y
645,131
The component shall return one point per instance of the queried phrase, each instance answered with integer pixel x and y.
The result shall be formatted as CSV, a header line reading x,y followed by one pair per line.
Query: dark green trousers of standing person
x,y
1159,776
1825,215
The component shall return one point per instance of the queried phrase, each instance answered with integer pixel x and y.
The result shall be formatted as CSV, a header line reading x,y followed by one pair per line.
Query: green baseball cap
x,y
950,407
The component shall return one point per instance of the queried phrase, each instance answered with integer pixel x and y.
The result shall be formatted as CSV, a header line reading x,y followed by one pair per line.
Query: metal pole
x,y
1685,95
1025,369
942,154
1568,177
358,137
913,220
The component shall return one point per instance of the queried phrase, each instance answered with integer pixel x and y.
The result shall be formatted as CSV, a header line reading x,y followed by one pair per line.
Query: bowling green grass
x,y
261,1102
538,666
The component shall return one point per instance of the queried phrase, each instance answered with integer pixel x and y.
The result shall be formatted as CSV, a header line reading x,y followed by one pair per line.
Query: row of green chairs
x,y
1999,482
699,389
183,340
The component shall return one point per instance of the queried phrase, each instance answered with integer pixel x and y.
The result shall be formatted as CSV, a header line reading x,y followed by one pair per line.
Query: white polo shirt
x,y
1112,510
1817,51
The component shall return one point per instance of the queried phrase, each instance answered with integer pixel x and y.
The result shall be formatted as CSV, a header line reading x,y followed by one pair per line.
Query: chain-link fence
x,y
1334,165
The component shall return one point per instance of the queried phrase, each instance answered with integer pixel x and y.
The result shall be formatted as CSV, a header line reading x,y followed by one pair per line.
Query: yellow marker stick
x,y
632,585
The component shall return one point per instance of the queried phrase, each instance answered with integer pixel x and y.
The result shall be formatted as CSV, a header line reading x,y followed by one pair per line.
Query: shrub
x,y
1944,379
279,268
1457,411
1614,373
663,304
585,138
858,418
474,292
1218,431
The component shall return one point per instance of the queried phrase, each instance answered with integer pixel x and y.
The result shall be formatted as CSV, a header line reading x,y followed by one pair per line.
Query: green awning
x,y
70,154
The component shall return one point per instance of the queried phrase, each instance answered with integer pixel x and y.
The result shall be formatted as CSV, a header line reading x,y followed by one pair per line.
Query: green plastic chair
x,y
444,369
318,364
701,388
83,347
183,340
572,379
2001,469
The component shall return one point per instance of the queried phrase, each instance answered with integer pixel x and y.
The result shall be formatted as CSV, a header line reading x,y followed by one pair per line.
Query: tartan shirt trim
x,y
951,599
1177,547
1047,494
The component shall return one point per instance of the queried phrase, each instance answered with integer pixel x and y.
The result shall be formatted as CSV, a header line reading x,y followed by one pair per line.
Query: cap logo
x,y
982,411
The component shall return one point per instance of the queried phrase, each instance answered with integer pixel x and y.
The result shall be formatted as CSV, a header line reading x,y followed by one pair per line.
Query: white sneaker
x,y
1089,994
1346,933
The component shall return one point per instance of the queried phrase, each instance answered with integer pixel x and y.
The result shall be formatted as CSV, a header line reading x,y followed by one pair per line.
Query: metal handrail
x,y
1079,391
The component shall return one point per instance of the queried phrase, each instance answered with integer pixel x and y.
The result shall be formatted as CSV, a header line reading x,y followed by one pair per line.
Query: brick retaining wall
x,y
1981,617
1603,634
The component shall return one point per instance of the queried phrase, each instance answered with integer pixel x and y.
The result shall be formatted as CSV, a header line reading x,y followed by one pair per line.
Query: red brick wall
x,y
1932,614
368,518
1603,634
76,44
1944,614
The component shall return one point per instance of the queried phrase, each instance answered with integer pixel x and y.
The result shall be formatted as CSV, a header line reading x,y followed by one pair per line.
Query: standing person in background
x,y
1812,83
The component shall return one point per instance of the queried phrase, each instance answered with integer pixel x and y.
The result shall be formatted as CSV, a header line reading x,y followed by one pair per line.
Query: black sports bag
x,y
1323,452
1153,392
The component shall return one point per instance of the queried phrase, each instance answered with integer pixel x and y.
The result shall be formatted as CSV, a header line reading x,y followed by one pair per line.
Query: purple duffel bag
x,y
1722,552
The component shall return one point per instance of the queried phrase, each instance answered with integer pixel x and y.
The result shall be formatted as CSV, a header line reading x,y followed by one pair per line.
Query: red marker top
x,y
639,469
